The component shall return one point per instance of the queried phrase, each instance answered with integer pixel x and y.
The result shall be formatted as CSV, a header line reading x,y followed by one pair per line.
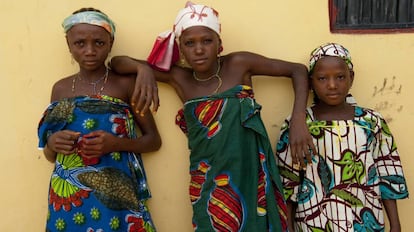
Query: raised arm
x,y
146,90
300,139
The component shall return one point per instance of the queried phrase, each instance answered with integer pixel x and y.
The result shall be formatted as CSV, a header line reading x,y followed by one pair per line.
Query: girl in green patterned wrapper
x,y
356,171
89,133
235,184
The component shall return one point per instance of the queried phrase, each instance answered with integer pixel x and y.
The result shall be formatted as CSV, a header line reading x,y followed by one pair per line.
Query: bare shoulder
x,y
62,88
241,57
177,72
179,75
121,86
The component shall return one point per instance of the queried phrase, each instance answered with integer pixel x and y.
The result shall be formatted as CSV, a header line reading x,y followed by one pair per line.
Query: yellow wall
x,y
33,55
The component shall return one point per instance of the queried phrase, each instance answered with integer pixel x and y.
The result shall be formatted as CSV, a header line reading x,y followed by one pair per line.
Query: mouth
x,y
199,61
90,62
333,95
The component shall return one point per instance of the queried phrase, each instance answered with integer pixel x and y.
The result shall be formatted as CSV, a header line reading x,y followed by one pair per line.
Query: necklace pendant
x,y
104,78
94,87
220,82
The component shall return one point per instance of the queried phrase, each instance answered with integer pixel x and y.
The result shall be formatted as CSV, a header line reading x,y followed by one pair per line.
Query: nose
x,y
199,48
90,49
332,83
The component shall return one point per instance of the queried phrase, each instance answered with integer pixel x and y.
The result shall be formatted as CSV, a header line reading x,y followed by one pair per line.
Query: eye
x,y
100,43
321,78
189,43
340,77
79,43
207,41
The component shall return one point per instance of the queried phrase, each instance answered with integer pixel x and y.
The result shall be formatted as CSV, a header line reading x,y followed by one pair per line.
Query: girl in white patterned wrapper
x,y
356,171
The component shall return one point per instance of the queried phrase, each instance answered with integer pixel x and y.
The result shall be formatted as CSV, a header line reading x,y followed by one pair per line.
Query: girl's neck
x,y
326,112
92,75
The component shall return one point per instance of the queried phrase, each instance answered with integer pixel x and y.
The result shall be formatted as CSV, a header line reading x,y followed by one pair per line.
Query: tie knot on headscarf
x,y
330,49
90,17
165,50
196,15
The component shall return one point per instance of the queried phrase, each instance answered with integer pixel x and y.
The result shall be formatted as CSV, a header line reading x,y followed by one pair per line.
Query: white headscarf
x,y
165,53
196,15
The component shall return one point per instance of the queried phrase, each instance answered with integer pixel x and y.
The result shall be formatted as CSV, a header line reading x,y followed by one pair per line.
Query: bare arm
x,y
98,143
392,214
146,91
291,209
63,141
300,139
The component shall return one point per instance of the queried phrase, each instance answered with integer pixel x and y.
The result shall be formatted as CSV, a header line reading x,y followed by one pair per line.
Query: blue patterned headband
x,y
92,18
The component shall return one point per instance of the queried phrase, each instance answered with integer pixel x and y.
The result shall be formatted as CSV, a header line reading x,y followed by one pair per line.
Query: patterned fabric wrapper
x,y
330,49
106,194
190,16
355,166
92,18
235,183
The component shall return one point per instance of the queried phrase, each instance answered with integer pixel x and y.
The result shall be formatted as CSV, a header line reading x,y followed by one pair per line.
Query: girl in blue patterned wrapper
x,y
90,133
356,171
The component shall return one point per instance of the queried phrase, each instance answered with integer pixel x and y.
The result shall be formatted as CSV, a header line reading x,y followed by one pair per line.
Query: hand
x,y
63,141
301,144
96,144
146,91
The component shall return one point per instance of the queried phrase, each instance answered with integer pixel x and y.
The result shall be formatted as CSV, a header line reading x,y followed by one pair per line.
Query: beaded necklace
x,y
220,82
93,83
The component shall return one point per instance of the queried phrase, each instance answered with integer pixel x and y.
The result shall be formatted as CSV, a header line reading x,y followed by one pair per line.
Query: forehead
x,y
330,62
198,31
83,29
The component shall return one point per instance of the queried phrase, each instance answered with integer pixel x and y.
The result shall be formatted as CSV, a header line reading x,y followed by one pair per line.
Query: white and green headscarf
x,y
92,18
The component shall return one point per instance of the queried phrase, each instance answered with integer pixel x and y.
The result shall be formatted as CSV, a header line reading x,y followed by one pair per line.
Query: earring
x,y
220,50
108,61
182,61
